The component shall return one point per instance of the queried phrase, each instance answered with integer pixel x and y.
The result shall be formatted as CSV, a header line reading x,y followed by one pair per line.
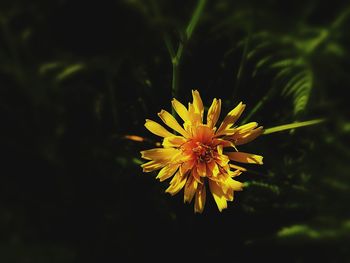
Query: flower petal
x,y
180,109
176,184
200,199
173,141
246,127
195,118
202,169
169,120
229,194
196,176
157,129
233,184
226,189
167,172
197,103
248,136
242,169
229,186
160,154
210,168
218,195
152,166
224,143
230,119
245,157
186,166
222,160
203,134
190,189
234,173
213,169
214,113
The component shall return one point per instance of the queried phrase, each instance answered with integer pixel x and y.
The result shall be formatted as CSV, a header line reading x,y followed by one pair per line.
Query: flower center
x,y
203,152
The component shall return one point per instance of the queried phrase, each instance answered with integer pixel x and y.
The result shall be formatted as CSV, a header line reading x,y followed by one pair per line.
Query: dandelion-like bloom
x,y
201,155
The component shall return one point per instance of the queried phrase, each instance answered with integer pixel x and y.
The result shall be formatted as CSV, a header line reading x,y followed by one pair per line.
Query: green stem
x,y
341,18
292,126
195,18
176,58
175,80
169,45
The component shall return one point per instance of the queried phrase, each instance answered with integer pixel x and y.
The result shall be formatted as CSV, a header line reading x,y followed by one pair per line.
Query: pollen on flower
x,y
201,154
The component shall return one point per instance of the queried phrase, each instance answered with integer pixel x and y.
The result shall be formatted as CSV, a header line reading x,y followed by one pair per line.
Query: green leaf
x,y
298,230
69,71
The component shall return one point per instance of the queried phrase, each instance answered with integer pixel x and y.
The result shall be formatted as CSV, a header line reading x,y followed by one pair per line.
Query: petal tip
x,y
261,160
161,112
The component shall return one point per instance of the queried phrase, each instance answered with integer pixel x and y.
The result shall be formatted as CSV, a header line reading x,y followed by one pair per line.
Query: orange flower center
x,y
204,153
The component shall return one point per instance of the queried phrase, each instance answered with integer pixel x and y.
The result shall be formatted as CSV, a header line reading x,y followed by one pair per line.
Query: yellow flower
x,y
201,155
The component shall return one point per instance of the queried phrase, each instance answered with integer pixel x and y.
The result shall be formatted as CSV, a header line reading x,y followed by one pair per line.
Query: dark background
x,y
77,76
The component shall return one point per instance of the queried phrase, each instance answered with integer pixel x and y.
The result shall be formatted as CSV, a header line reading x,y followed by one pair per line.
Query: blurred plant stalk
x,y
176,55
291,126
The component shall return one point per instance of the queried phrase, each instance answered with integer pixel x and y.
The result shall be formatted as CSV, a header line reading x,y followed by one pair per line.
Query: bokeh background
x,y
76,77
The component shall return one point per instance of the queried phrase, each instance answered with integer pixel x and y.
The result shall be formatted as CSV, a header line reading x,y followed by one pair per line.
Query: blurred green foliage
x,y
77,76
